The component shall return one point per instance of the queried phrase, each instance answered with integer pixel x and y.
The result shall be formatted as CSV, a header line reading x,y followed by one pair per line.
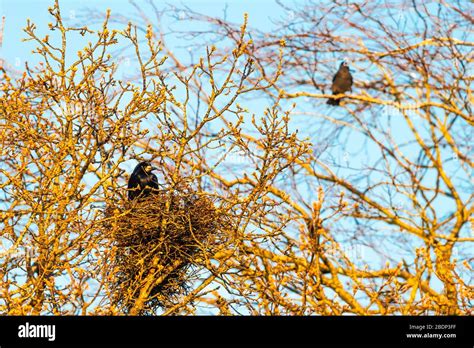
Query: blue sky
x,y
17,13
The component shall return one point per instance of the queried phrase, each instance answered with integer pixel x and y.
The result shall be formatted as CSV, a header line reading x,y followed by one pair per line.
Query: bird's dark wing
x,y
133,186
153,182
335,82
148,184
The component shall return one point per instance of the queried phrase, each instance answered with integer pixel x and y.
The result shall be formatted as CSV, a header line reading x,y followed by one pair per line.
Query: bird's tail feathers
x,y
332,101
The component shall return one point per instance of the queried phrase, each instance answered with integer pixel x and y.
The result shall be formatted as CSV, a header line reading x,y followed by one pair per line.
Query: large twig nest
x,y
157,240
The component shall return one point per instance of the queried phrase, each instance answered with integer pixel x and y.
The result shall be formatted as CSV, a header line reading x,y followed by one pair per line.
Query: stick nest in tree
x,y
158,238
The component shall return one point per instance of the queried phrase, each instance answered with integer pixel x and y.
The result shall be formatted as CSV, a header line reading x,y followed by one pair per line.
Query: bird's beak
x,y
150,168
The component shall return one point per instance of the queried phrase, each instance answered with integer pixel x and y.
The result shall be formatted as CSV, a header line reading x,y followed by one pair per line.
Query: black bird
x,y
142,182
341,83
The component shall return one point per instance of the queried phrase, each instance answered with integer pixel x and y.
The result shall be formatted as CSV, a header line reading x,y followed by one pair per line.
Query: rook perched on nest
x,y
159,234
142,182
